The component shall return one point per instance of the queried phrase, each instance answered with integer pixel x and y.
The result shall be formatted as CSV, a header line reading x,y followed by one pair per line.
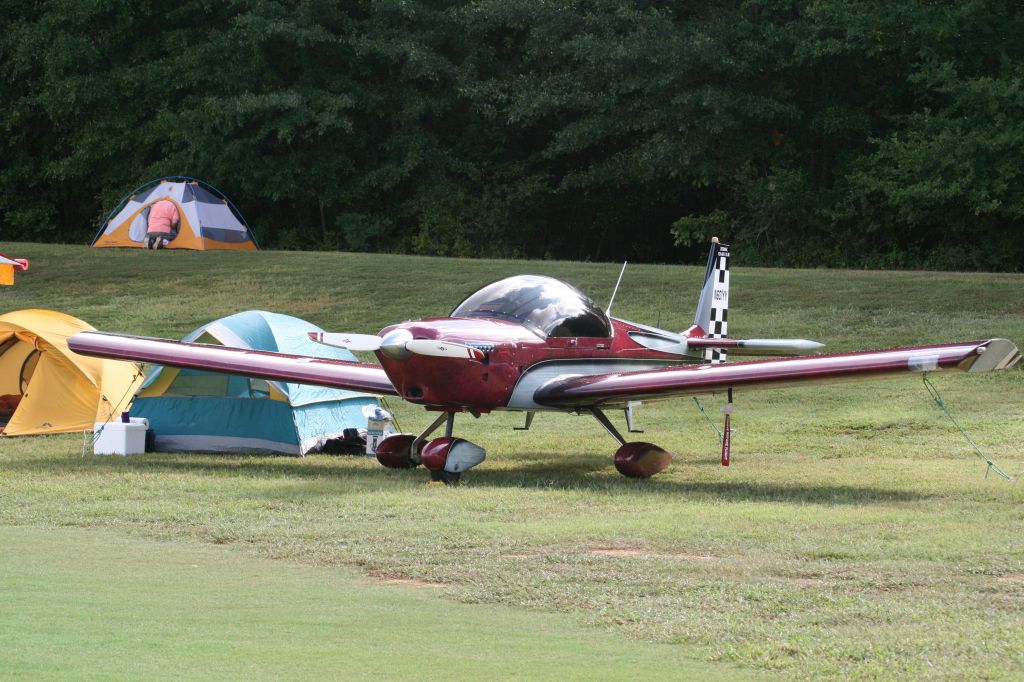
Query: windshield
x,y
542,303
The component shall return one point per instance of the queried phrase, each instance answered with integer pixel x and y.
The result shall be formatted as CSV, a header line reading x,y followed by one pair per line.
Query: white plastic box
x,y
376,431
119,438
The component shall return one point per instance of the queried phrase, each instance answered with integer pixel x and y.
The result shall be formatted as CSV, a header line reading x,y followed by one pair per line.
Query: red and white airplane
x,y
531,344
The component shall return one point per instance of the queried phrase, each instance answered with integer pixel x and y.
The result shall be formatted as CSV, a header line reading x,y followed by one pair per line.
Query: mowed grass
x,y
87,604
855,534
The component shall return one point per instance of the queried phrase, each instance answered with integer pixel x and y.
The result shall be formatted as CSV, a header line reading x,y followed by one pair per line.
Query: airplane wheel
x,y
446,477
395,452
641,460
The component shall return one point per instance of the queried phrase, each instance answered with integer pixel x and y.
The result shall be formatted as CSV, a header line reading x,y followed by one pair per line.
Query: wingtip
x,y
995,354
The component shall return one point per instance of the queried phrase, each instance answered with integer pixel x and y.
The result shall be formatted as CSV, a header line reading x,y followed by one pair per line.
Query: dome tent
x,y
47,388
208,218
194,410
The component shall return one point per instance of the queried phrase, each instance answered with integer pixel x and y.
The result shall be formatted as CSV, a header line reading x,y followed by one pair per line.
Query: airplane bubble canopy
x,y
543,304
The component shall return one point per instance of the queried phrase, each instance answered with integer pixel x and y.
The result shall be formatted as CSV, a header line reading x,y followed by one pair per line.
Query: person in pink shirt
x,y
163,224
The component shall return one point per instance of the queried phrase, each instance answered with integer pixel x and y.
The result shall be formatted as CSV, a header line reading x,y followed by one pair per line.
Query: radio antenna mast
x,y
608,310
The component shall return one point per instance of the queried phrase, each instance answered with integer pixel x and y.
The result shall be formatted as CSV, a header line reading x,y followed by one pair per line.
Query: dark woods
x,y
885,134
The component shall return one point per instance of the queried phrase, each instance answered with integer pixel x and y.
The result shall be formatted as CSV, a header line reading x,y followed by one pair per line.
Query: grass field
x,y
92,603
855,534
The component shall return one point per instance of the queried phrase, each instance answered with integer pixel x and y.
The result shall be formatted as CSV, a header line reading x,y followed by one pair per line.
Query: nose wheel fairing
x,y
447,458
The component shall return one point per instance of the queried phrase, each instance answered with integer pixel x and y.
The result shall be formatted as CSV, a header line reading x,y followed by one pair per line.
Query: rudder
x,y
713,307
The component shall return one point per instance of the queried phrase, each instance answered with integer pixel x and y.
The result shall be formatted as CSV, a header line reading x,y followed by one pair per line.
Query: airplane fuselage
x,y
517,360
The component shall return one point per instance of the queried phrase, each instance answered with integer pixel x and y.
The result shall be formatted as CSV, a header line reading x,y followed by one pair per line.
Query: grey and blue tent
x,y
208,219
193,410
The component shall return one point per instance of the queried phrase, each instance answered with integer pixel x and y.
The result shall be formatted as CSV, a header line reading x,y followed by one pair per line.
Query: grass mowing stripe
x,y
83,604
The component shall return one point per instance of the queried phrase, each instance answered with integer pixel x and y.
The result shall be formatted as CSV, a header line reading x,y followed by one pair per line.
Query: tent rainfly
x,y
47,388
193,410
208,220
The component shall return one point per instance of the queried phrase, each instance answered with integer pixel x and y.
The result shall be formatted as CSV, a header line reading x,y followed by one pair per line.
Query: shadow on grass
x,y
543,471
543,476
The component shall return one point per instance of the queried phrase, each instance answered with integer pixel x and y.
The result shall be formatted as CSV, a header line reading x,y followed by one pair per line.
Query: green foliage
x,y
810,133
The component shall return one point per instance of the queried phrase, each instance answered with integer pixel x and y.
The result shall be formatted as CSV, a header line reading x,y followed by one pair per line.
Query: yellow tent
x,y
47,388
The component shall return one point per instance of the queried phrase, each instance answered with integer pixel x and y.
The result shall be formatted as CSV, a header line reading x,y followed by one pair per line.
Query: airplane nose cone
x,y
393,344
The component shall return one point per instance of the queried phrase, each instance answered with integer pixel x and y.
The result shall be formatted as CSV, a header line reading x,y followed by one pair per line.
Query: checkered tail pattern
x,y
713,307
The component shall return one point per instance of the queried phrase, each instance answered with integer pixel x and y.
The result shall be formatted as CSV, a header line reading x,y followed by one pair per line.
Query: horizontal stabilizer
x,y
759,346
676,344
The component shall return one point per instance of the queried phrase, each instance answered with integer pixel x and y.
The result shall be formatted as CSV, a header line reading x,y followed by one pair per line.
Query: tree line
x,y
821,132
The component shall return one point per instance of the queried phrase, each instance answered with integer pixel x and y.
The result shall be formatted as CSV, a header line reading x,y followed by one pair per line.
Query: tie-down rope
x,y
942,406
713,425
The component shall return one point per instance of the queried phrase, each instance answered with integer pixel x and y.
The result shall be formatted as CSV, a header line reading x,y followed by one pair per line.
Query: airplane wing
x,y
355,376
686,380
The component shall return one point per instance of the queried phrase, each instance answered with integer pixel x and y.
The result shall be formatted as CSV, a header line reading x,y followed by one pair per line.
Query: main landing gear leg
x,y
603,420
529,422
635,460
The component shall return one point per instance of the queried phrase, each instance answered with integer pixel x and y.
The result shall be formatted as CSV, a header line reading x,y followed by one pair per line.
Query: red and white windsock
x,y
8,266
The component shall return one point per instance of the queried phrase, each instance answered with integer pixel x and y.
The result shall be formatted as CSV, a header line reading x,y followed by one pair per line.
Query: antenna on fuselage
x,y
608,310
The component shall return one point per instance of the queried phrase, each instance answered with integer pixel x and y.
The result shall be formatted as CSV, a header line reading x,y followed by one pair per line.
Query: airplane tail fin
x,y
713,307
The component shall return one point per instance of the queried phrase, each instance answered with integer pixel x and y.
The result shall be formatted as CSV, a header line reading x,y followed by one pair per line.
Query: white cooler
x,y
119,438
376,431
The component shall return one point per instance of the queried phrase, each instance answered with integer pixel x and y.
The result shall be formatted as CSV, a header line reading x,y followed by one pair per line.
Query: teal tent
x,y
193,410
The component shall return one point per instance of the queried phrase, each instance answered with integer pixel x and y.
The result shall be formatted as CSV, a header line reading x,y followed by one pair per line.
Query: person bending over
x,y
163,224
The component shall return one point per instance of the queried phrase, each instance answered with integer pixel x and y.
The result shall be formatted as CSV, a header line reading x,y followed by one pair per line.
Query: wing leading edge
x,y
687,380
354,376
